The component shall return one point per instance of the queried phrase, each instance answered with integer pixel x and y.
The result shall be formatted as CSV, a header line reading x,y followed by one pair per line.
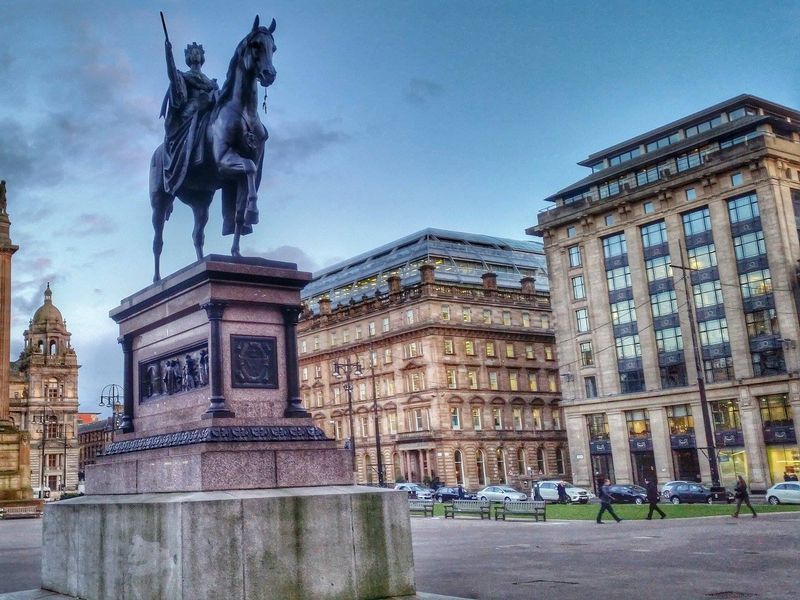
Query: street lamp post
x,y
111,396
45,421
701,379
381,481
347,367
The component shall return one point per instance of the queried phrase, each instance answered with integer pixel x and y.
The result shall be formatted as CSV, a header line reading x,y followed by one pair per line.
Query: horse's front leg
x,y
235,246
159,203
200,204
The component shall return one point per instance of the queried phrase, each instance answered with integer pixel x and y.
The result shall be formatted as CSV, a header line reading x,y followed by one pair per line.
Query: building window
x,y
333,340
578,289
536,414
597,424
513,381
416,382
480,462
669,340
316,343
571,231
472,379
737,179
587,357
609,219
417,420
680,420
702,257
560,461
552,382
317,371
614,245
497,418
755,283
487,316
389,381
362,391
719,369
673,375
708,293
526,320
631,381
458,463
663,142
623,312
507,318
469,347
703,127
762,322
391,418
749,245
476,419
541,463
387,356
533,382
358,332
529,351
648,208
452,379
698,221
744,208
654,234
493,384
501,465
545,321
304,374
490,350
412,350
691,194
449,346
409,317
582,320
548,352
364,425
619,278
445,312
776,411
303,347
725,414
521,466
638,423
590,386
466,314
337,395
574,253
510,350
385,324
455,417
516,413
713,332
768,362
658,268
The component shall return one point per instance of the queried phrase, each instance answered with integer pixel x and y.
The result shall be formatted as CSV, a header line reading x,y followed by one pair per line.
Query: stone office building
x,y
44,399
454,336
717,192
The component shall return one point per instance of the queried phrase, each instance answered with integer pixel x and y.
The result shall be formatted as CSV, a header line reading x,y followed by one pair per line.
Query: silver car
x,y
548,490
415,490
784,493
500,493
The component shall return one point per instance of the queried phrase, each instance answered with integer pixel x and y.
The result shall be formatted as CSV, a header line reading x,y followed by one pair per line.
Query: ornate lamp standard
x,y
701,379
111,396
46,419
347,367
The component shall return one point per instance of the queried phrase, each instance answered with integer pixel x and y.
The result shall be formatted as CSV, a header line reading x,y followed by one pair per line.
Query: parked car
x,y
448,494
500,493
784,493
666,489
627,494
690,493
415,490
548,491
43,493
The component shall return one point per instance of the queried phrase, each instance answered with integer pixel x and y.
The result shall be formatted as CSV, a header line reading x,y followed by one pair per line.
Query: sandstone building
x,y
454,337
44,399
716,192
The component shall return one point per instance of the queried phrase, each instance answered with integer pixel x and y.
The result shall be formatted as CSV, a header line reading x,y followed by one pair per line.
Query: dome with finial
x,y
47,317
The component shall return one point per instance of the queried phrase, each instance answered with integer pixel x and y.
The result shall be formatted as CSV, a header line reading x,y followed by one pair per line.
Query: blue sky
x,y
386,117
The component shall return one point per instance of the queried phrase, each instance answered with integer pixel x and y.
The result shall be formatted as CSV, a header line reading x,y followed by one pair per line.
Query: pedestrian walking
x,y
652,498
741,495
605,503
562,493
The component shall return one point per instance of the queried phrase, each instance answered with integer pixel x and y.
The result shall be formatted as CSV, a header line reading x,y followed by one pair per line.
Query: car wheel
x,y
639,501
484,500
584,501
773,500
506,500
675,500
439,499
710,500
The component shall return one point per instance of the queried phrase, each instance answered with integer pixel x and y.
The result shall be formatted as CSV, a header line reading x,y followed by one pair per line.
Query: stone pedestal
x,y
15,467
321,543
212,388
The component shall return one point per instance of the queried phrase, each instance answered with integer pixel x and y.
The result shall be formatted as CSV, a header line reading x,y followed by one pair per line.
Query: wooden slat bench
x,y
467,507
20,512
420,506
531,508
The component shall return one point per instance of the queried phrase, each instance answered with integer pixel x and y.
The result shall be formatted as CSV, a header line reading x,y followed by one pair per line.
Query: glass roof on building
x,y
458,257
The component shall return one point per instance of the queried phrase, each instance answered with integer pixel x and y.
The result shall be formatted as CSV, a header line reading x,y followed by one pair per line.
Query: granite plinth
x,y
332,543
225,466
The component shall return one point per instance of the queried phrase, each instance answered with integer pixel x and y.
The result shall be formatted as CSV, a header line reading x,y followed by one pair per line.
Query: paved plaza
x,y
687,559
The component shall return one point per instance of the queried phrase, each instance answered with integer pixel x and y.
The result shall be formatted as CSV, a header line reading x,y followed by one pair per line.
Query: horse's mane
x,y
227,88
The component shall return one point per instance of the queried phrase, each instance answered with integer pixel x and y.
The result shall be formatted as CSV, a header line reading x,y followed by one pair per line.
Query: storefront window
x,y
782,459
598,426
638,423
680,419
732,463
726,415
775,410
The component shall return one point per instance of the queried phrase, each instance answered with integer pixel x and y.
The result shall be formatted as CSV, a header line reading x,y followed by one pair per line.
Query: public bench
x,y
529,508
20,512
420,506
467,507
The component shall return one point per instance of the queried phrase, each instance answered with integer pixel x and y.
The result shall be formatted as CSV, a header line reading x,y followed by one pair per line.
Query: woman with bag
x,y
741,495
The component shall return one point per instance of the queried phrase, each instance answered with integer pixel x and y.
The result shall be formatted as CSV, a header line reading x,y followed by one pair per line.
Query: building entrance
x,y
732,462
644,466
686,463
602,467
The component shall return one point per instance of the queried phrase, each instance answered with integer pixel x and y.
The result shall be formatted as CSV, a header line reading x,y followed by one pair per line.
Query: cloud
x,y
291,254
421,91
88,224
297,142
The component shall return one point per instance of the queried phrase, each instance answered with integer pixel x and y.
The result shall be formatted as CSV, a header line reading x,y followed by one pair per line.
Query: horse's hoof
x,y
251,216
236,253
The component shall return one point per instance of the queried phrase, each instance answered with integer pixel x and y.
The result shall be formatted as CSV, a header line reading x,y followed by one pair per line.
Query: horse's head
x,y
258,50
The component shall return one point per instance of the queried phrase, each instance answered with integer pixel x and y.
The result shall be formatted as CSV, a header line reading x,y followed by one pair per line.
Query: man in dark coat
x,y
605,503
652,498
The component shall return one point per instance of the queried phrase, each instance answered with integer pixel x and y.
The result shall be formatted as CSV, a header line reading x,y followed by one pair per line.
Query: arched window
x,y
398,472
541,464
40,347
560,461
368,469
521,466
501,465
53,347
481,464
458,462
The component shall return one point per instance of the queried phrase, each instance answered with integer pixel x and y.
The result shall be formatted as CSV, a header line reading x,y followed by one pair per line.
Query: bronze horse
x,y
233,138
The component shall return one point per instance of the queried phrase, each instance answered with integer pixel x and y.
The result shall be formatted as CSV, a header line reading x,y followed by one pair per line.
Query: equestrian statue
x,y
214,139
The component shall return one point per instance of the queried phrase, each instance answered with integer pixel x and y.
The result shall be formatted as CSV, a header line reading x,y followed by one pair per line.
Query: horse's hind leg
x,y
200,204
162,205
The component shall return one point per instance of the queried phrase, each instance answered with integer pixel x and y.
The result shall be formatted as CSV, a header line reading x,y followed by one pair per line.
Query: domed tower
x,y
50,367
